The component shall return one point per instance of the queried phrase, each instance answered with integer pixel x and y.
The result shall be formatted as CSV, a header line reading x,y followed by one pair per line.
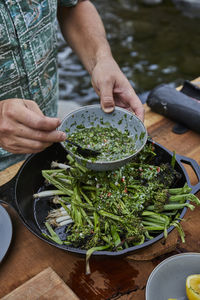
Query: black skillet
x,y
18,192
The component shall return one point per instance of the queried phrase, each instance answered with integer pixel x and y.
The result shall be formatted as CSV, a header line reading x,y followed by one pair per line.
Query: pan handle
x,y
196,168
7,193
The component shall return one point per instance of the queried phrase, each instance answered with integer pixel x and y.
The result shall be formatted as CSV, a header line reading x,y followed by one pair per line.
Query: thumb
x,y
106,99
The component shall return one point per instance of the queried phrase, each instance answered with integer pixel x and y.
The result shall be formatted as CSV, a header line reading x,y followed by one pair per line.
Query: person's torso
x,y
28,48
28,67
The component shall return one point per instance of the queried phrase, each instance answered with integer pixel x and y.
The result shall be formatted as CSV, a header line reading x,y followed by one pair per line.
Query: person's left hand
x,y
113,88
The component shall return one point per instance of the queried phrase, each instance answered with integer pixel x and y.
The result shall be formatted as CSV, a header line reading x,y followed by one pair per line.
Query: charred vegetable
x,y
114,210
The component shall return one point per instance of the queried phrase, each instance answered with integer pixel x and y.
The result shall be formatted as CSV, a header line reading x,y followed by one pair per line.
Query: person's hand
x,y
25,129
113,88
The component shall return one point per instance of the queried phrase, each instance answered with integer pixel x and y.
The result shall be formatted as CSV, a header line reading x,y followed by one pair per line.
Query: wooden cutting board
x,y
45,285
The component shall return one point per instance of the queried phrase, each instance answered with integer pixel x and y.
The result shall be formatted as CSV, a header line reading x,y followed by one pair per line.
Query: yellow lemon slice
x,y
193,287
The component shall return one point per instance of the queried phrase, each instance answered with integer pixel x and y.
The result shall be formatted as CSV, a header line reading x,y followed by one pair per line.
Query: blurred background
x,y
152,43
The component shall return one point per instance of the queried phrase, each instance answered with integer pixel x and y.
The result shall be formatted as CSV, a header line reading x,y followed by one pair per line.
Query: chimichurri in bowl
x,y
119,136
112,143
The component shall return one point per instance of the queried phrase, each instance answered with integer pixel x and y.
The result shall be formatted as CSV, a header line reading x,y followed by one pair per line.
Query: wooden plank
x,y
9,173
45,285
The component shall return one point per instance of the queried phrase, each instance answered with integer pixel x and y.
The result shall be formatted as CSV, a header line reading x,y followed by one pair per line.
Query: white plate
x,y
168,279
5,232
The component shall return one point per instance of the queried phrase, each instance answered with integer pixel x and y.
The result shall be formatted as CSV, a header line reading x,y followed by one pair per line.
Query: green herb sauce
x,y
112,143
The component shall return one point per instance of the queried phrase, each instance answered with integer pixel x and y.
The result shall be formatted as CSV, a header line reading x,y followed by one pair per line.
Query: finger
x,y
95,88
106,98
137,106
128,99
29,114
14,113
25,146
40,135
139,111
33,106
34,120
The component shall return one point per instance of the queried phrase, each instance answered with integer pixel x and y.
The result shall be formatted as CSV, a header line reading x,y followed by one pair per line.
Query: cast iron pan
x,y
19,192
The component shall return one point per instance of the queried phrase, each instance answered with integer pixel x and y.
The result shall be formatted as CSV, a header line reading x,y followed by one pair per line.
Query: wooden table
x,y
111,278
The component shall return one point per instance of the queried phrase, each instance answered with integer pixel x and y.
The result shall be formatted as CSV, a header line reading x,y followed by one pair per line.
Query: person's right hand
x,y
25,129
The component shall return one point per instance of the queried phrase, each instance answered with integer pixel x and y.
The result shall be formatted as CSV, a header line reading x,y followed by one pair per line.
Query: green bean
x,y
89,253
86,198
81,168
57,183
115,236
153,224
180,230
173,206
180,191
159,217
183,198
153,220
148,236
153,227
53,236
110,216
89,188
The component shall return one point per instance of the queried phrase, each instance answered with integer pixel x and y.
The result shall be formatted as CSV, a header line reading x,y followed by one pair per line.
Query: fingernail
x,y
59,122
63,136
108,109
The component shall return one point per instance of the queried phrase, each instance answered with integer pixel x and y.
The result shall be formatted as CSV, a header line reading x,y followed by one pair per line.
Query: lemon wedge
x,y
193,287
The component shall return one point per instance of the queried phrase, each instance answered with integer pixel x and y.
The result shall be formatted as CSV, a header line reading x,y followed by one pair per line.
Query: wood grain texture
x,y
9,173
45,285
111,278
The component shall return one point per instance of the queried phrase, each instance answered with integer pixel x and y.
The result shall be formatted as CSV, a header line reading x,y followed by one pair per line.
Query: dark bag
x,y
180,106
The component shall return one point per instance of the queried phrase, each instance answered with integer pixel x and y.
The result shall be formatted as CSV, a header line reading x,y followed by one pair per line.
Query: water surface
x,y
152,44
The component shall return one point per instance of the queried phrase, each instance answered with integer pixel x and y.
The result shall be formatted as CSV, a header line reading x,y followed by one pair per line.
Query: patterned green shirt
x,y
28,56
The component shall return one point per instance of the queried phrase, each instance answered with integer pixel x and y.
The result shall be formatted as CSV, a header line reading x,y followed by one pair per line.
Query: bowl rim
x,y
109,162
164,262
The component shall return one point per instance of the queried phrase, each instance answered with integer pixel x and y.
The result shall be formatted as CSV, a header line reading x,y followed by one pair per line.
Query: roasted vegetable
x,y
118,209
